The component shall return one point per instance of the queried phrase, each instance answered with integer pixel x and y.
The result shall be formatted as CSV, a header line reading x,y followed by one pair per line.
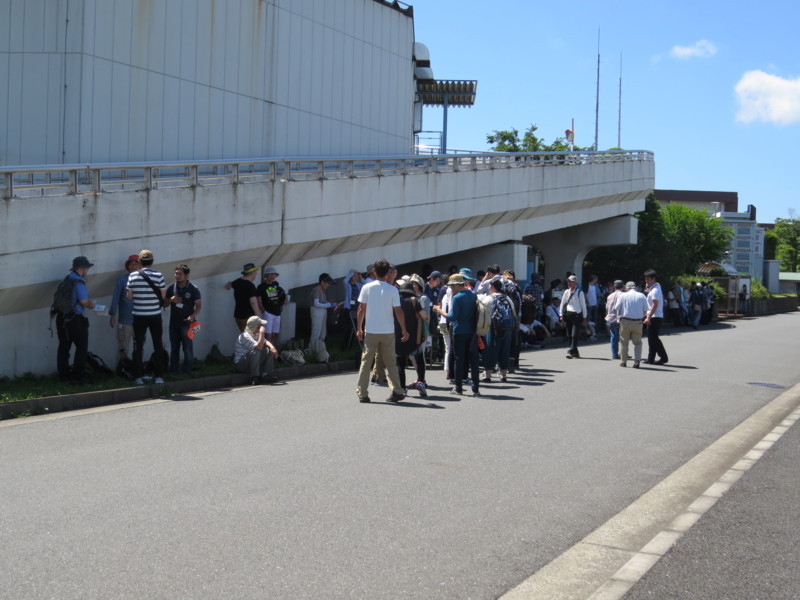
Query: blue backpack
x,y
502,314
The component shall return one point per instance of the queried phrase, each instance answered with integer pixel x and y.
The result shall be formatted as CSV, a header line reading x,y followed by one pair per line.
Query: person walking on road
x,y
654,319
574,314
631,309
379,305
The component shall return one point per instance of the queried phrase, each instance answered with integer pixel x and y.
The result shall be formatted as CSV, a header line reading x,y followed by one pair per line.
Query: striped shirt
x,y
145,302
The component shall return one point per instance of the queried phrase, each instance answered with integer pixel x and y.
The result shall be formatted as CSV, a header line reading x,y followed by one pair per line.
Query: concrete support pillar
x,y
565,249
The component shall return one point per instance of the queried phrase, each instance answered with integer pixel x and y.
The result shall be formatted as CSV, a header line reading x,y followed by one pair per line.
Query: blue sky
x,y
712,87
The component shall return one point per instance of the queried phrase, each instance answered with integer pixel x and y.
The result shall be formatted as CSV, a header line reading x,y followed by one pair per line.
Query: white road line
x,y
611,559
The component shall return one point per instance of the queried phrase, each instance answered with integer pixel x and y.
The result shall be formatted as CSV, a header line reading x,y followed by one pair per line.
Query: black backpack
x,y
62,298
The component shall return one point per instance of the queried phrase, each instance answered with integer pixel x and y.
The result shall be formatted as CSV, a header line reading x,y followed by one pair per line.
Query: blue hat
x,y
467,274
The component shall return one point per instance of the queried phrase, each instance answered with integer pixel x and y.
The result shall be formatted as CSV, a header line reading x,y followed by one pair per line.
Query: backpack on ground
x,y
502,315
125,368
483,315
62,298
96,365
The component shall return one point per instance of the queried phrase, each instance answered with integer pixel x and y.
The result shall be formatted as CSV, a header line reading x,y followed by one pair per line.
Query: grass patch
x,y
29,386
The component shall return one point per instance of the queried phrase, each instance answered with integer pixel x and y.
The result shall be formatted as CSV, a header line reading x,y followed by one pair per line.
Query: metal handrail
x,y
62,180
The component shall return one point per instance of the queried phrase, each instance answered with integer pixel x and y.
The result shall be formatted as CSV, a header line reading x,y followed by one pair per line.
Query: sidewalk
x,y
745,546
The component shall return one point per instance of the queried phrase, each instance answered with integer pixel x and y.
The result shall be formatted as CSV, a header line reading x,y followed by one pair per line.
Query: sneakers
x,y
138,381
456,392
363,399
423,392
383,383
475,392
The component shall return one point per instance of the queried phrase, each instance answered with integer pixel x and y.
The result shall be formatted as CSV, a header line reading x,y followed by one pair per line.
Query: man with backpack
x,y
573,314
501,334
70,303
146,289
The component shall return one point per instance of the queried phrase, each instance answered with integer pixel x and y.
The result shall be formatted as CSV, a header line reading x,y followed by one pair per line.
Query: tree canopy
x,y
674,240
508,140
787,233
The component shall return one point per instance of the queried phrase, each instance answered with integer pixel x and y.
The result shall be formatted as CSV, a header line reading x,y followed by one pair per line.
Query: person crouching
x,y
254,354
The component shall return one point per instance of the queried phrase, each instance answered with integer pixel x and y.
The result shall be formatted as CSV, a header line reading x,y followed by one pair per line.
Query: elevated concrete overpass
x,y
302,216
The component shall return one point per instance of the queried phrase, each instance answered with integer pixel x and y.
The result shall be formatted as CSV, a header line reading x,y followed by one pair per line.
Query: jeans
x,y
72,330
613,329
465,348
179,337
140,326
654,344
498,350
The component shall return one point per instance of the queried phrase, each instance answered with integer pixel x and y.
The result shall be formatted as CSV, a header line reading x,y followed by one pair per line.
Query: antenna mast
x,y
619,117
597,97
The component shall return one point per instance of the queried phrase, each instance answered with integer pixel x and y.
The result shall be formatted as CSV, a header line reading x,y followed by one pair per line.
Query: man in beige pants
x,y
631,308
379,306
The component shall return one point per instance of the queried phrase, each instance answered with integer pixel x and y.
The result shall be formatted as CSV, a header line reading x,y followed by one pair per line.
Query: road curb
x,y
54,404
602,565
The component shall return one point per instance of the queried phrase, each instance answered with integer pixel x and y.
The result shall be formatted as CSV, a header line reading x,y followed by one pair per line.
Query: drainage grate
x,y
774,386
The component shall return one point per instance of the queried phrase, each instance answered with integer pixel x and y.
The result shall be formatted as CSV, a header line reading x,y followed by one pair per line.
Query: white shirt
x,y
656,294
632,305
380,298
591,294
574,302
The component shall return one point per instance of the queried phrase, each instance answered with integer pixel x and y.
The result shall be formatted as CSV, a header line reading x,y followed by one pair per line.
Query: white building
x,y
98,81
746,252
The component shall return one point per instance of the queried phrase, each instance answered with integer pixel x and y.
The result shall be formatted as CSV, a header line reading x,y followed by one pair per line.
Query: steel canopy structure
x,y
446,93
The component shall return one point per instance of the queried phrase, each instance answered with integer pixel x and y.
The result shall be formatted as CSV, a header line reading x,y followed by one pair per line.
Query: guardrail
x,y
61,180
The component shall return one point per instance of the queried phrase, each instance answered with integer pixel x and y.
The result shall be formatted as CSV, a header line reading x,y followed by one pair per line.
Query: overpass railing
x,y
59,180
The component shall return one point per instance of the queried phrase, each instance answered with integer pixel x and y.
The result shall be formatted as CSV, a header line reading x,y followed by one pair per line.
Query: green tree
x,y
787,231
508,140
770,245
673,240
694,237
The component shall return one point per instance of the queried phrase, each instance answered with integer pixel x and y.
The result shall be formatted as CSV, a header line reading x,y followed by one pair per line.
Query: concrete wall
x,y
301,227
97,81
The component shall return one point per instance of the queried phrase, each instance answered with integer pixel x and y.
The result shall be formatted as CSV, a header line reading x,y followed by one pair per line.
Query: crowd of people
x,y
475,324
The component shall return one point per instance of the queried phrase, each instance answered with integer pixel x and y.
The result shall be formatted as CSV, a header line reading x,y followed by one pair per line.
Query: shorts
x,y
273,323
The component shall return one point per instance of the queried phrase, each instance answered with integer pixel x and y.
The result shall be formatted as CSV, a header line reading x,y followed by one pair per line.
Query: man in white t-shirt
x,y
655,316
379,305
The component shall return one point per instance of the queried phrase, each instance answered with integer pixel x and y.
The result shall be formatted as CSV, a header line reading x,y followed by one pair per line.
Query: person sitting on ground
x,y
253,353
534,334
553,315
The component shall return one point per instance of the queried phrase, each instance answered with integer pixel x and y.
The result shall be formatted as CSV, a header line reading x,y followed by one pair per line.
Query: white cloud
x,y
701,49
768,98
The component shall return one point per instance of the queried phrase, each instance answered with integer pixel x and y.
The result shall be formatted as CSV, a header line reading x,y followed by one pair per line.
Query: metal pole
x,y
443,149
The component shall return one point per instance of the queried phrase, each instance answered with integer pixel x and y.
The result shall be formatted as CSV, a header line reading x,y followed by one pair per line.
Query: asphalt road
x,y
298,491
